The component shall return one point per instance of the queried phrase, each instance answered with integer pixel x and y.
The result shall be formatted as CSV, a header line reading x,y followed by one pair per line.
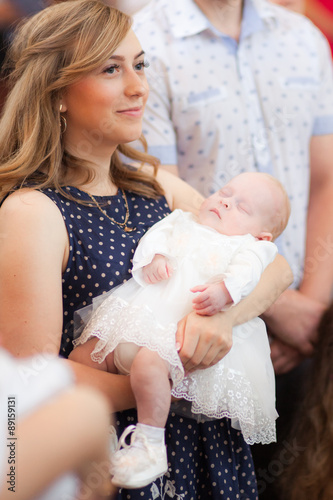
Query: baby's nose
x,y
225,203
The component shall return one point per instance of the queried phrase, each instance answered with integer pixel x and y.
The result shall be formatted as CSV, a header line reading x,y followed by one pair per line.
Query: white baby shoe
x,y
139,463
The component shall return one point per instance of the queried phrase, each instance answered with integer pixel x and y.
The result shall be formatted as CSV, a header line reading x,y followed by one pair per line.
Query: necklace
x,y
127,229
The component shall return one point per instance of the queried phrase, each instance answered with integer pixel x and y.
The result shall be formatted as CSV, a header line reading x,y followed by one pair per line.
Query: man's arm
x,y
294,318
318,272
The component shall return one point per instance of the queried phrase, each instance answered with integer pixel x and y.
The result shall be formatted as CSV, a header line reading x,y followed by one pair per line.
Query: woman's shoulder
x,y
26,196
29,206
178,193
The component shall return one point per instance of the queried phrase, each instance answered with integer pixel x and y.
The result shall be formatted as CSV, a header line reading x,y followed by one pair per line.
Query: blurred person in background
x,y
321,13
12,11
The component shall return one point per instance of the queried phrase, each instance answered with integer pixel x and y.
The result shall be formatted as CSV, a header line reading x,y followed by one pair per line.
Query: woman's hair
x,y
310,475
51,51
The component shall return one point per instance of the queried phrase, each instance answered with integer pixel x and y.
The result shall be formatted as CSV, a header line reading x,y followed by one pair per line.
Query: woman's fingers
x,y
203,340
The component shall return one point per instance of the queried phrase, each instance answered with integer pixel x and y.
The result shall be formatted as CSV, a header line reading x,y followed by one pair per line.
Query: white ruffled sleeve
x,y
157,240
245,269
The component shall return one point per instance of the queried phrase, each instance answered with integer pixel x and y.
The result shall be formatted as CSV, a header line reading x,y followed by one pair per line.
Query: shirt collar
x,y
186,19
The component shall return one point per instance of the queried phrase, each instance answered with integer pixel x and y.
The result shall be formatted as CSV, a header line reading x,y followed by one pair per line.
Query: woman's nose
x,y
136,85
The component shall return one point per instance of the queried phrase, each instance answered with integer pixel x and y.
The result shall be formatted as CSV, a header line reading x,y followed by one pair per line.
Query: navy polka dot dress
x,y
206,460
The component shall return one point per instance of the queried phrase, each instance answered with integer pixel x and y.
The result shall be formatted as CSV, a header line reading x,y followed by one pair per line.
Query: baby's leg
x,y
145,459
82,354
151,386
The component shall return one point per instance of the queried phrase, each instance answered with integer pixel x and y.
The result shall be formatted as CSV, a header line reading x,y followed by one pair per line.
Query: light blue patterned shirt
x,y
217,107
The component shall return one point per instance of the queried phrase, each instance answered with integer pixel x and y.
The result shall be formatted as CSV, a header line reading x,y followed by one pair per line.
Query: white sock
x,y
154,435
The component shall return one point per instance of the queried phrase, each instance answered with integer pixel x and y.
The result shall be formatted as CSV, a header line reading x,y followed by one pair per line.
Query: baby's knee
x,y
149,364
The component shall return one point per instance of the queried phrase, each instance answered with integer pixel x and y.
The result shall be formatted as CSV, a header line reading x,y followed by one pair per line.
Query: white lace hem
x,y
219,391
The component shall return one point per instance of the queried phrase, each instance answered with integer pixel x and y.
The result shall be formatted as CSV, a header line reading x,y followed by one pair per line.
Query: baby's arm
x,y
154,260
211,298
159,269
240,278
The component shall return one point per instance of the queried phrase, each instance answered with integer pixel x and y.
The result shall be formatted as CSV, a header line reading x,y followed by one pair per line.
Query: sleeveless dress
x,y
206,460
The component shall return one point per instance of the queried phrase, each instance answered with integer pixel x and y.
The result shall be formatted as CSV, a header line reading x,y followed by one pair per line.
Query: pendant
x,y
129,229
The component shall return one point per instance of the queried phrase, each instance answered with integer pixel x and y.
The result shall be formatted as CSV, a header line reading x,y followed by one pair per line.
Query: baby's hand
x,y
211,299
158,270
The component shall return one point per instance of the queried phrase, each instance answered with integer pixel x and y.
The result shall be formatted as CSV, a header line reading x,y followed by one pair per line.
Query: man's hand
x,y
203,341
210,298
294,319
158,270
284,357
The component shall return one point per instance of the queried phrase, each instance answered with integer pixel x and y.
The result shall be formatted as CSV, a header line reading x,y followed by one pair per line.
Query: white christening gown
x,y
241,386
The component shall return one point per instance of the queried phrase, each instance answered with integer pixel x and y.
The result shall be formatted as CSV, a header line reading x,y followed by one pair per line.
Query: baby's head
x,y
252,202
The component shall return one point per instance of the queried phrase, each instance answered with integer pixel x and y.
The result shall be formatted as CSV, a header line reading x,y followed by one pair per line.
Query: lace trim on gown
x,y
215,392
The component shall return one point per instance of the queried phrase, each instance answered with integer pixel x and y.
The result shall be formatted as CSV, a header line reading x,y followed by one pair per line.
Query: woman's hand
x,y
202,341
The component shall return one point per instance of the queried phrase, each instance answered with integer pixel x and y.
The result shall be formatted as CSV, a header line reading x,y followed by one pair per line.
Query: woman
x,y
77,98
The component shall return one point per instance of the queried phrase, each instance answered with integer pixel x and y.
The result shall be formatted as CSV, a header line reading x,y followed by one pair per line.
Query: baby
x,y
205,263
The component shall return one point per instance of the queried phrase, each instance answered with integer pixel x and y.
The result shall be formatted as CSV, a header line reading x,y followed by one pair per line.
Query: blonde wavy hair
x,y
51,51
310,475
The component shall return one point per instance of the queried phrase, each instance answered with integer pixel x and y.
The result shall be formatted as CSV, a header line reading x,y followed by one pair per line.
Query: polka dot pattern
x,y
100,252
209,460
206,461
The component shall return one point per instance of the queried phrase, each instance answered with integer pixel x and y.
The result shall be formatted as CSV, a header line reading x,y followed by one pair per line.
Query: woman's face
x,y
105,107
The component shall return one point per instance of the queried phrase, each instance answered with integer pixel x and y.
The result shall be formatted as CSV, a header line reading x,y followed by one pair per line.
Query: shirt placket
x,y
258,137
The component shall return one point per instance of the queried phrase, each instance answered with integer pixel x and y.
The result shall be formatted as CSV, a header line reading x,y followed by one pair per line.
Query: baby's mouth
x,y
215,211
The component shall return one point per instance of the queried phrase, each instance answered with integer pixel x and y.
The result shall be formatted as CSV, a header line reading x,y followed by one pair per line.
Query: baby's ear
x,y
265,236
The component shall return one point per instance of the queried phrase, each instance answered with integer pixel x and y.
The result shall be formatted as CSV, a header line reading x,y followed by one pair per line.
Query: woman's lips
x,y
136,112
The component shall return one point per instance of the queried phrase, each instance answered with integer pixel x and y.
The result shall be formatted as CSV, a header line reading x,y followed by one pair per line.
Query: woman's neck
x,y
225,15
98,186
99,160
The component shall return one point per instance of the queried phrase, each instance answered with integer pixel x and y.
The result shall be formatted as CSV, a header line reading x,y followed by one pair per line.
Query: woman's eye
x,y
111,70
141,65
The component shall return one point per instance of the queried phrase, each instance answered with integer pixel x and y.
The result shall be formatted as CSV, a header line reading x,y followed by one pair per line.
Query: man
x,y
249,87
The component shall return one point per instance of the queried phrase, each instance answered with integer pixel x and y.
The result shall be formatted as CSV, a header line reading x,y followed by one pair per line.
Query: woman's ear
x,y
265,236
62,106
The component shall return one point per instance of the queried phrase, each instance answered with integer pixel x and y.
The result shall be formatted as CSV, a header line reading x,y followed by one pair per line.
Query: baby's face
x,y
245,205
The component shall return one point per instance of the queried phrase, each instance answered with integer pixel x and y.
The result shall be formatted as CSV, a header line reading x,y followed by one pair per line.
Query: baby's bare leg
x,y
82,354
151,386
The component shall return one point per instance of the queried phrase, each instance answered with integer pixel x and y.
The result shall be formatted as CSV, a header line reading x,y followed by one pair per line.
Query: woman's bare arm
x,y
33,254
